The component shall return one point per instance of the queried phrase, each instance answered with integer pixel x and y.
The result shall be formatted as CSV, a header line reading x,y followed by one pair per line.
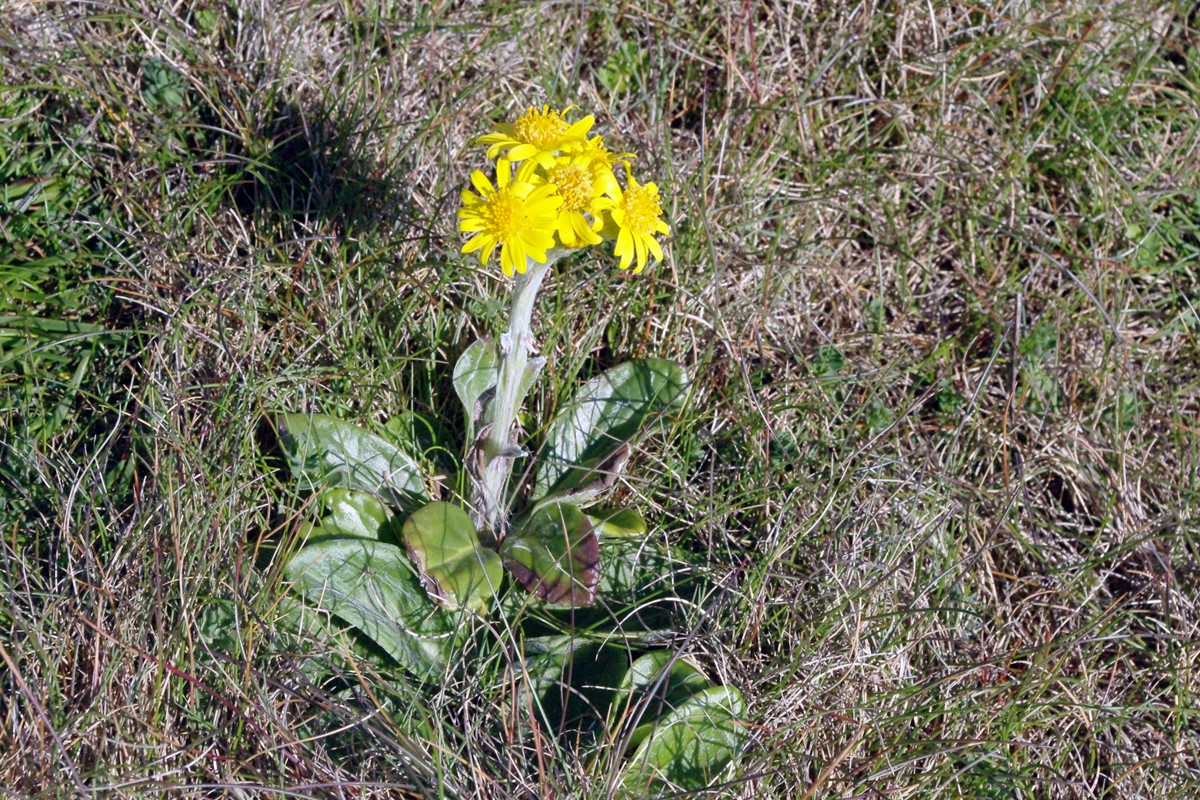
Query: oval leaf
x,y
299,628
583,449
554,553
351,513
618,523
547,667
569,680
656,684
475,375
325,451
639,572
690,746
372,586
458,571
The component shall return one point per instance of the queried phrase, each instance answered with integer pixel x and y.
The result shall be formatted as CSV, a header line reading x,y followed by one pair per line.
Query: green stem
x,y
499,450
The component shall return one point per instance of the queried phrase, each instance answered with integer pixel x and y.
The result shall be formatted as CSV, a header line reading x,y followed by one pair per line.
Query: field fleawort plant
x,y
409,572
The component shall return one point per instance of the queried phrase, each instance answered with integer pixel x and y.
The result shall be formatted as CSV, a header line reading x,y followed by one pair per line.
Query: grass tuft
x,y
934,272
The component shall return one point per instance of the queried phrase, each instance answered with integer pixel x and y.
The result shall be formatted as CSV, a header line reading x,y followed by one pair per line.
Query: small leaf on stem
x,y
475,377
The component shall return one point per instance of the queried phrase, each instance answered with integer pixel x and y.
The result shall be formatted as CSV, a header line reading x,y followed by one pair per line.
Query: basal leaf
x,y
570,680
351,513
618,523
656,684
583,445
545,663
325,451
372,586
644,585
690,746
586,483
301,629
639,572
458,571
423,436
554,553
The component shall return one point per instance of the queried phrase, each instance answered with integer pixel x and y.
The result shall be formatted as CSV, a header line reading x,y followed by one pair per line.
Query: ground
x,y
934,271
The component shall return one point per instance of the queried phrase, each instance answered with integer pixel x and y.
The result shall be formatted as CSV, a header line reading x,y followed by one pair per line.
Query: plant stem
x,y
499,450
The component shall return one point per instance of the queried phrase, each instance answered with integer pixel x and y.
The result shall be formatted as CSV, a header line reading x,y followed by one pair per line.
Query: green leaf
x,y
50,328
547,664
351,513
324,451
638,580
163,88
320,644
372,586
545,658
459,572
570,680
427,439
637,571
1039,343
588,443
643,584
828,362
618,523
218,626
554,553
656,684
475,375
690,746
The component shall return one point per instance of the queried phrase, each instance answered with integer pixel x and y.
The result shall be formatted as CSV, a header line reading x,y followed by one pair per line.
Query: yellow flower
x,y
595,150
582,181
514,215
537,135
637,213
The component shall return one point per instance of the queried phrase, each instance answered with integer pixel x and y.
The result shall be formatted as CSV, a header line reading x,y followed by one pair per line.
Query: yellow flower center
x,y
505,213
641,209
545,128
574,186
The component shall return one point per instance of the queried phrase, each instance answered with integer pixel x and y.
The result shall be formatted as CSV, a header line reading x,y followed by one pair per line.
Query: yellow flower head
x,y
514,215
582,181
537,135
595,150
637,213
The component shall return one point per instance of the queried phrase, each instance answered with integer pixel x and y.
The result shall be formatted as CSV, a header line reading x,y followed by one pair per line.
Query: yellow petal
x,y
579,129
482,184
639,244
503,172
624,248
475,242
655,248
582,230
538,241
522,152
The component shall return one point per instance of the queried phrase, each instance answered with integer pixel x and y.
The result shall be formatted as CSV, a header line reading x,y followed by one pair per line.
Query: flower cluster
x,y
557,188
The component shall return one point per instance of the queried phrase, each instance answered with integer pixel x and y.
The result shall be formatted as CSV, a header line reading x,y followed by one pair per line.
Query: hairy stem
x,y
499,449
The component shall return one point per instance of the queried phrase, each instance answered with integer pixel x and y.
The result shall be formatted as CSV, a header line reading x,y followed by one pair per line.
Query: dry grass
x,y
934,268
